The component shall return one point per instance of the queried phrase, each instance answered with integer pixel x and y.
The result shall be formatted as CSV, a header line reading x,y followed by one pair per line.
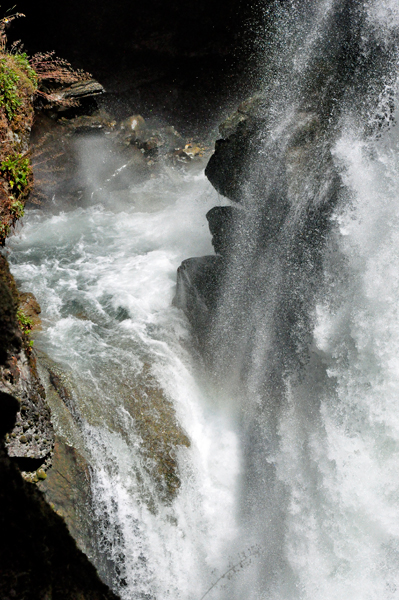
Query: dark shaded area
x,y
221,220
186,59
25,463
10,337
38,557
198,282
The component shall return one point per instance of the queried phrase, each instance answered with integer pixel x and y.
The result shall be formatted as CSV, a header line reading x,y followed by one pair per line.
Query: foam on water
x,y
307,480
105,278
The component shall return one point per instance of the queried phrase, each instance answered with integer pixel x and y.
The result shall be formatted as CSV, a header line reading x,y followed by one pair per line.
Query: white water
x,y
308,481
105,278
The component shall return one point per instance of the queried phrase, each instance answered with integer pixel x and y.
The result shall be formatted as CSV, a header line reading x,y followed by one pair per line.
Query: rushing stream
x,y
284,482
105,278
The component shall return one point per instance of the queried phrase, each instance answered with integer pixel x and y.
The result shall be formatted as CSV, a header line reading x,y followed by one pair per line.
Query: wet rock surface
x,y
222,220
122,154
229,167
160,432
67,490
198,281
38,557
32,438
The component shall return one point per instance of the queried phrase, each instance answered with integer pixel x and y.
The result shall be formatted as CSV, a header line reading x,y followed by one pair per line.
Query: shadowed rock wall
x,y
159,57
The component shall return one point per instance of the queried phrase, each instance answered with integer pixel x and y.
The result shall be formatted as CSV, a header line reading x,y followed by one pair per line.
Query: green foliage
x,y
4,231
17,209
15,73
16,169
24,322
22,60
9,96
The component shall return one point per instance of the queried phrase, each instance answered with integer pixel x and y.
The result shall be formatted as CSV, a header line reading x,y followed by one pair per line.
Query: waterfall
x,y
265,469
306,319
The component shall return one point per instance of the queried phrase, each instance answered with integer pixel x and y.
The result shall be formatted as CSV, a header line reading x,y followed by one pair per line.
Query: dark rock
x,y
9,407
28,464
221,224
81,89
31,309
38,557
67,488
98,122
10,336
228,168
159,141
198,284
128,167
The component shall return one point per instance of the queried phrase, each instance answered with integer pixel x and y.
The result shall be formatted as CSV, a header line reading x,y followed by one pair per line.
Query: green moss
x,y
16,74
4,230
9,97
22,61
17,209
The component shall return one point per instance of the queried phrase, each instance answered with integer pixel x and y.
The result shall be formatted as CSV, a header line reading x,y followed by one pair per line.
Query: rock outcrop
x,y
39,559
198,283
30,442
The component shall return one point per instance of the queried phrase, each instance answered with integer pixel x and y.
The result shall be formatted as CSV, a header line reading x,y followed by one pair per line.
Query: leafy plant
x,y
9,97
16,169
16,208
54,73
4,231
25,322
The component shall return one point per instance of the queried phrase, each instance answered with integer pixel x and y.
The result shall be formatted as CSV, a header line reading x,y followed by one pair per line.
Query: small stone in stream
x,y
41,474
134,124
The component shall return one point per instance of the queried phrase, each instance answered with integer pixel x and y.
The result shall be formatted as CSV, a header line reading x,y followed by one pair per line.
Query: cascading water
x,y
307,313
105,276
294,462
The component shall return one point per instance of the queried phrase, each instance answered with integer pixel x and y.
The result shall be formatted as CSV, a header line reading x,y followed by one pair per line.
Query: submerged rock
x,y
66,487
157,425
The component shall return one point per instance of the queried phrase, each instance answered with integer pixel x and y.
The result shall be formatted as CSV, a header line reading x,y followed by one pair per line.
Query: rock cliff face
x,y
262,197
274,161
